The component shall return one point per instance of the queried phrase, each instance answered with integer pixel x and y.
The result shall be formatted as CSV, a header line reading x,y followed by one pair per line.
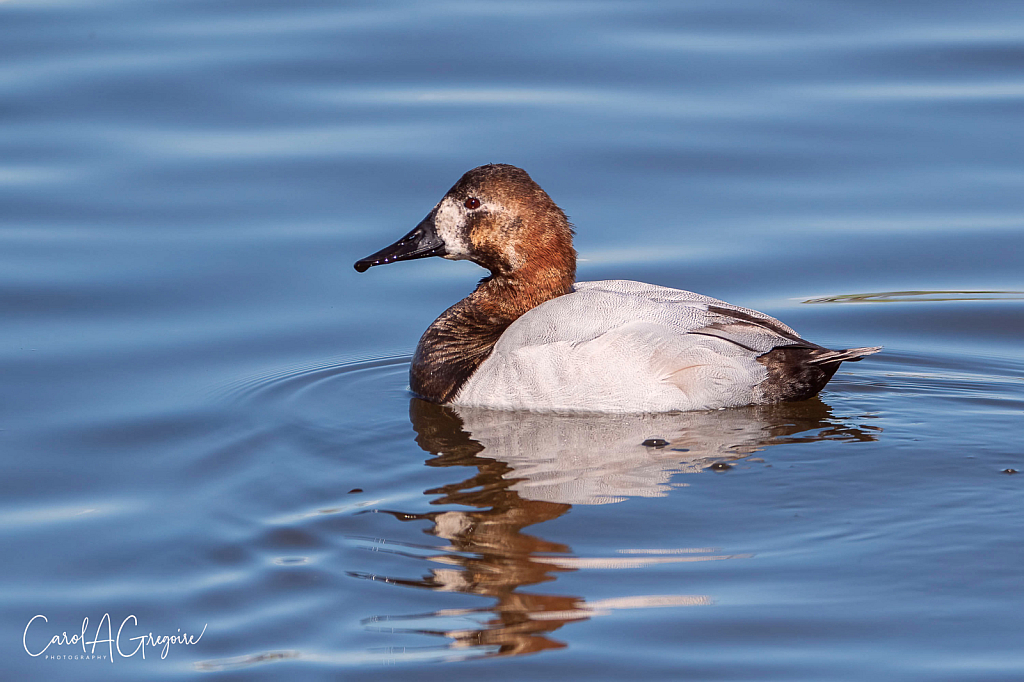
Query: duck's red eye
x,y
472,202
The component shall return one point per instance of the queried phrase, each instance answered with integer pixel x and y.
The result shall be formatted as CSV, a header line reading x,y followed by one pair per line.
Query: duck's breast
x,y
619,346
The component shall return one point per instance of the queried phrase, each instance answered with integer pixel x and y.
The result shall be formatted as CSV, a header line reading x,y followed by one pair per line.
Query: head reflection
x,y
528,468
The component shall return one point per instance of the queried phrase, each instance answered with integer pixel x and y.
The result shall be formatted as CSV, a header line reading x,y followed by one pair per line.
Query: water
x,y
204,417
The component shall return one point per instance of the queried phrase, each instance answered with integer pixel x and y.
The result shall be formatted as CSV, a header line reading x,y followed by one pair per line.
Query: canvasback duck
x,y
531,337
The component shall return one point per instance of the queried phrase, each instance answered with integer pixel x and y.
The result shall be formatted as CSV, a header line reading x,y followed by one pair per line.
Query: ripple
x,y
914,91
285,382
746,41
25,517
920,296
247,661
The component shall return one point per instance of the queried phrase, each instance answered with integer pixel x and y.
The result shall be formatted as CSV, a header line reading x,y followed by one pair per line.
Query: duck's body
x,y
529,337
620,346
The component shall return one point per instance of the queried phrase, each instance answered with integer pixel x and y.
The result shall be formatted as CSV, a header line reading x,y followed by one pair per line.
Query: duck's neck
x,y
458,341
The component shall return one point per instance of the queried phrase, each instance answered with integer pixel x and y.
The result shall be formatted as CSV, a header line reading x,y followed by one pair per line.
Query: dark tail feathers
x,y
828,357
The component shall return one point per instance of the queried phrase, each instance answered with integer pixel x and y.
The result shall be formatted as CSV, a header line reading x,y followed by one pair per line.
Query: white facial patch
x,y
450,226
451,223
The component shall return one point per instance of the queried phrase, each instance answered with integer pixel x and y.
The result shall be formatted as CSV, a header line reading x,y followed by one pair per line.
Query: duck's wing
x,y
796,368
758,333
693,313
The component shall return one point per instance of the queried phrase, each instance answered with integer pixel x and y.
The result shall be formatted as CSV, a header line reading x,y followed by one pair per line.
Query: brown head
x,y
497,217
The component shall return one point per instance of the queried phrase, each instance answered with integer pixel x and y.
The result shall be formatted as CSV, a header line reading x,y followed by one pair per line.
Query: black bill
x,y
420,243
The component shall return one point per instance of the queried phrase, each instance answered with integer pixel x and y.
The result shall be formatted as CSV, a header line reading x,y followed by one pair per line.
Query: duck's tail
x,y
836,356
797,373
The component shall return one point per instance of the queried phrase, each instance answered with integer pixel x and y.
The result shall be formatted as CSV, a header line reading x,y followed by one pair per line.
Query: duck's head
x,y
495,216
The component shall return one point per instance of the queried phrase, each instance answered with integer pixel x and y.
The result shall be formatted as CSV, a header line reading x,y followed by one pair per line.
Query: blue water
x,y
204,415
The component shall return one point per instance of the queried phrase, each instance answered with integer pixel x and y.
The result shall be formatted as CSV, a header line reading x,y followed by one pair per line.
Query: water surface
x,y
204,415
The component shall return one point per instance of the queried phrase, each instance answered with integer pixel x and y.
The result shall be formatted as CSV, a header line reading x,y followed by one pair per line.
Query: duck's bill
x,y
422,242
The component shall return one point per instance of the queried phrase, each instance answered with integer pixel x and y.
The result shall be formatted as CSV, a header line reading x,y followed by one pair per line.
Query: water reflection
x,y
522,469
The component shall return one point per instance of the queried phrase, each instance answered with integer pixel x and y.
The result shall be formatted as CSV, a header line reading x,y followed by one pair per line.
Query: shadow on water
x,y
514,470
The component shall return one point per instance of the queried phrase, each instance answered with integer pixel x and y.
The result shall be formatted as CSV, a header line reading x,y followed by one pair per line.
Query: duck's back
x,y
629,347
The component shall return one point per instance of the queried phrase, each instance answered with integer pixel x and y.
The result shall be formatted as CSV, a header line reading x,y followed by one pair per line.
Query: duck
x,y
530,337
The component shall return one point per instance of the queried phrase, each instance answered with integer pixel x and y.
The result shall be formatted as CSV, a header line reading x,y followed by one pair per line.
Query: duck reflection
x,y
529,468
